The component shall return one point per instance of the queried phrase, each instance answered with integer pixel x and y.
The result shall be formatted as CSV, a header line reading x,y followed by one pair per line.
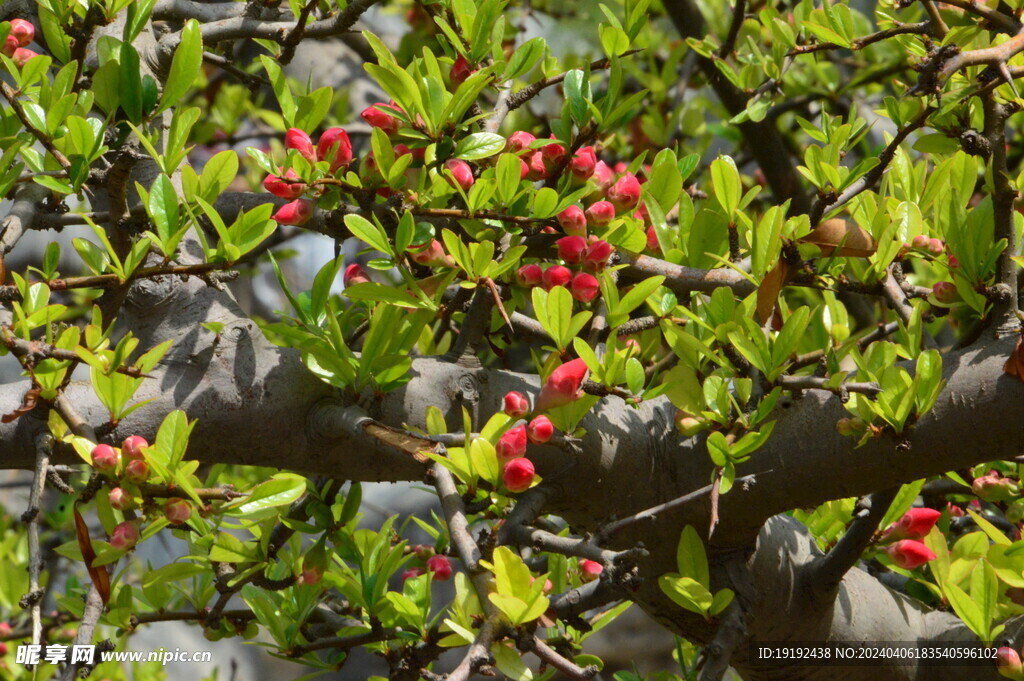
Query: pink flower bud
x,y
518,474
461,171
954,263
540,430
512,444
590,570
412,572
334,146
944,292
461,70
354,274
563,385
909,554
524,169
136,471
104,458
296,212
441,567
598,253
919,241
530,275
583,163
993,487
538,171
552,154
519,141
1008,662
572,249
133,447
22,55
936,247
915,524
286,190
125,536
584,287
573,221
177,511
602,176
119,499
10,45
600,213
377,118
556,275
652,240
954,510
432,255
516,404
625,193
311,574
620,167
300,141
22,31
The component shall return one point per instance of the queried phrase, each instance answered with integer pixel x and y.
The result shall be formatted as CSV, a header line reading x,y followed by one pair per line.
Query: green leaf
x,y
368,232
479,145
185,66
545,202
725,179
280,490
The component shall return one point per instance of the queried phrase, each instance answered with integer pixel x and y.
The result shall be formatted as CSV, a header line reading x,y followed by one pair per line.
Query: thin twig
x,y
44,448
12,98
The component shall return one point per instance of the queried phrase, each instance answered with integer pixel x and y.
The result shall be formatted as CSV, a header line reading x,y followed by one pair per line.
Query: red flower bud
x,y
556,275
516,404
296,212
177,511
572,249
620,167
915,524
286,190
563,385
311,574
573,221
625,193
119,499
512,444
300,141
598,252
10,45
538,171
136,471
461,171
590,570
936,247
909,554
432,255
1008,662
530,275
22,31
125,536
953,262
377,118
441,567
104,458
22,55
583,163
335,147
944,292
412,572
919,241
600,213
524,169
518,474
602,176
552,154
133,445
461,70
652,240
519,141
540,430
584,287
354,274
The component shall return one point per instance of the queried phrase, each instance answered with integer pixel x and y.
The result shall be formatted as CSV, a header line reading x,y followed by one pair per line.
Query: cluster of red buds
x,y
333,147
439,566
22,33
562,387
906,549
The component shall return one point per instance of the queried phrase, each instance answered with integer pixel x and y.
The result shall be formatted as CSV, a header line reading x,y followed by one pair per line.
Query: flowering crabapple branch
x,y
922,28
1004,22
12,98
11,292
